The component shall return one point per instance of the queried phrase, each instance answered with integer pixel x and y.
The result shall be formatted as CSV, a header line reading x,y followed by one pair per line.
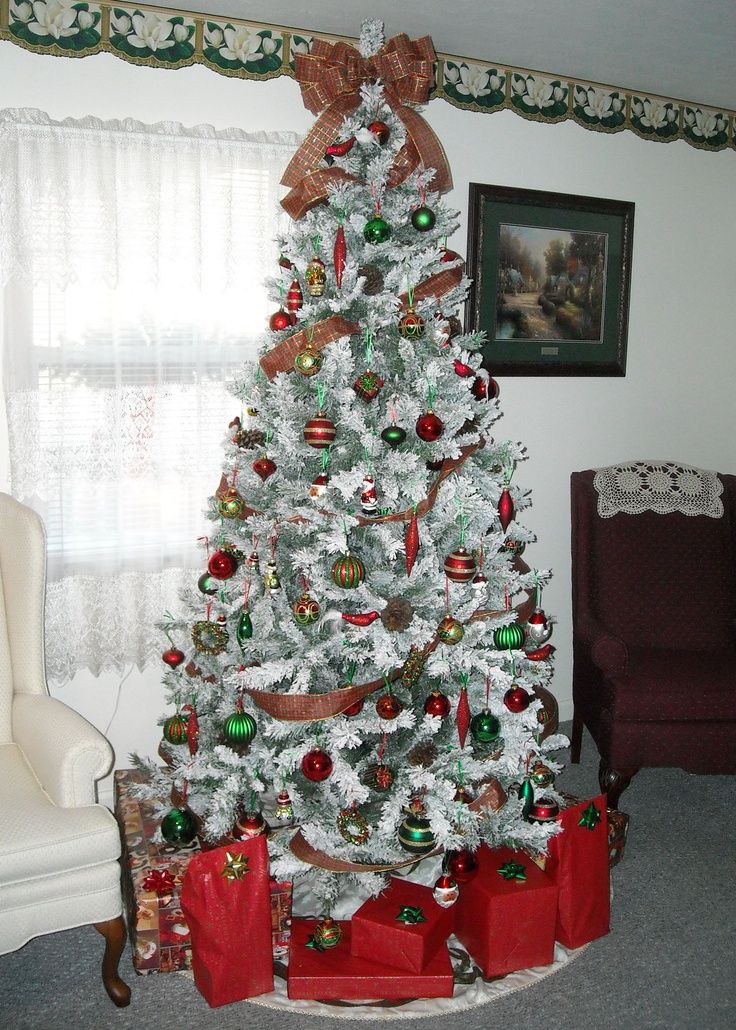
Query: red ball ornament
x,y
460,566
388,706
320,431
479,389
462,865
411,325
380,130
437,704
264,467
316,765
222,565
294,298
516,699
173,657
354,709
505,508
429,427
280,320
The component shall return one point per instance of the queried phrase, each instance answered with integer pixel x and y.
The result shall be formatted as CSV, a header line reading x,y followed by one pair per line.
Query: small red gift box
x,y
506,914
577,862
403,927
338,974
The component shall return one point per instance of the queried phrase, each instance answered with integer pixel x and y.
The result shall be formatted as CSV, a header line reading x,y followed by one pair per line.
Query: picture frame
x,y
551,281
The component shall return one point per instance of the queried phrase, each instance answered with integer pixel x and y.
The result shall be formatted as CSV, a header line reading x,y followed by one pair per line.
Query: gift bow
x,y
512,871
160,881
411,914
590,817
405,66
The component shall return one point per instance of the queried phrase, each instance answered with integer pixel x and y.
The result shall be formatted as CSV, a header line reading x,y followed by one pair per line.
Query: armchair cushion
x,y
610,655
39,839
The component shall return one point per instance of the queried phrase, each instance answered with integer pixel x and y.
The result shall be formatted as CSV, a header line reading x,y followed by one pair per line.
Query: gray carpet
x,y
667,963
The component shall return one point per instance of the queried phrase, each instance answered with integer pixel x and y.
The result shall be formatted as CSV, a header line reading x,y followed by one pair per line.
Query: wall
x,y
676,399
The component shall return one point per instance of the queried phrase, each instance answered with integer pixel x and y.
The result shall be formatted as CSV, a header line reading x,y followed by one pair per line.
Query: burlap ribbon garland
x,y
435,286
281,357
330,77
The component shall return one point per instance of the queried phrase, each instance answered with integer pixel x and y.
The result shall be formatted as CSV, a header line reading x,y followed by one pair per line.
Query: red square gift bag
x,y
226,899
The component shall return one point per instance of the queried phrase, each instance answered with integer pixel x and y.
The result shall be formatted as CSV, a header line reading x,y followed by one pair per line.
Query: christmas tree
x,y
354,665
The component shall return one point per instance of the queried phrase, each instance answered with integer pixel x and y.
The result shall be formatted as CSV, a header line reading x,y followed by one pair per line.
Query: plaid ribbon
x,y
436,286
281,357
304,851
312,189
320,136
312,707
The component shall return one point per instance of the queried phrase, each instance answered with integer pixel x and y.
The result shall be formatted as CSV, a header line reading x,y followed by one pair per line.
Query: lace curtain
x,y
131,263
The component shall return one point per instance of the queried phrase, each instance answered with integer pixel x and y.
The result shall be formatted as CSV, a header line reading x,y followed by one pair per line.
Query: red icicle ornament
x,y
192,728
411,543
505,508
462,716
339,255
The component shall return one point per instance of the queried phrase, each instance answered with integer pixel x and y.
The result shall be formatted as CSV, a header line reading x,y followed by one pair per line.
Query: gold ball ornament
x,y
450,631
308,361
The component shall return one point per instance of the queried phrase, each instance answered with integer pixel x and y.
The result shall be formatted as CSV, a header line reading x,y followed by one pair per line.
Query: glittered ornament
x,y
306,610
308,361
541,775
509,637
460,566
445,891
222,564
379,777
316,765
320,431
462,716
173,657
315,277
271,581
339,255
484,727
411,542
250,825
505,508
340,149
284,809
239,729
294,298
280,320
415,833
376,230
462,370
209,638
352,826
231,505
367,386
411,325
388,706
447,255
540,654
429,426
348,571
354,709
360,618
462,865
326,934
413,667
380,130
178,827
368,498
244,628
423,218
393,435
538,629
450,631
264,467
319,486
208,584
437,704
517,699
175,729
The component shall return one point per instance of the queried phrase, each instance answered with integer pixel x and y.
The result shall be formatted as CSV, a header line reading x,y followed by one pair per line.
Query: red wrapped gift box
x,y
337,974
577,862
507,924
377,933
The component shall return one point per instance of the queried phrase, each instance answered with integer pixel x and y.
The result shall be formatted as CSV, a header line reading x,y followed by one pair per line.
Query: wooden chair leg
x,y
613,782
113,930
576,740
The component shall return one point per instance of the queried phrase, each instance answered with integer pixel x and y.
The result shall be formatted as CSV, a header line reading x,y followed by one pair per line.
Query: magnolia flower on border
x,y
473,81
181,33
653,113
120,23
599,105
54,18
151,32
242,45
705,124
541,93
85,19
213,37
299,48
452,75
21,12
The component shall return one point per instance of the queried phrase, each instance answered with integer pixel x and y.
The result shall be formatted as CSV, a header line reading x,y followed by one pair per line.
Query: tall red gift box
x,y
506,914
226,898
577,862
338,974
403,927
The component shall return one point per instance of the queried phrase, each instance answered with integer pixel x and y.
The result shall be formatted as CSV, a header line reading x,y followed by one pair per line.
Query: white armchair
x,y
58,849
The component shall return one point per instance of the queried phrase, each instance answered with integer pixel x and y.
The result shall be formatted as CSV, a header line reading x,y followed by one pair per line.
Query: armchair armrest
x,y
65,751
610,654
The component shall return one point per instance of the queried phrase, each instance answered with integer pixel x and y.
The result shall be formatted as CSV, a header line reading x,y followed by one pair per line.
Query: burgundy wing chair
x,y
654,619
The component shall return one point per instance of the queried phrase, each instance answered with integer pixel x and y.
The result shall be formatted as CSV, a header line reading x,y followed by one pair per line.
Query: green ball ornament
x,y
509,637
376,230
175,729
178,827
348,571
415,833
208,584
239,729
394,436
423,219
484,727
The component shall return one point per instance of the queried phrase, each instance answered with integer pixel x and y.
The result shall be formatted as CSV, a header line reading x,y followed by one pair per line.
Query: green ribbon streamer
x,y
321,394
368,347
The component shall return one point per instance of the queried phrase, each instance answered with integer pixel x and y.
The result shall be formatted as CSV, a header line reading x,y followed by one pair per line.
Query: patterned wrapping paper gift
x,y
152,876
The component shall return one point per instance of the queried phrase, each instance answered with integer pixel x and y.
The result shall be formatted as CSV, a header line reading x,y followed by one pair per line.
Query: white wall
x,y
677,397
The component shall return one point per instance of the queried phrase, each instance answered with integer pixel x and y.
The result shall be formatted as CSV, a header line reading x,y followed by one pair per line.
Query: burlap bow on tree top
x,y
330,78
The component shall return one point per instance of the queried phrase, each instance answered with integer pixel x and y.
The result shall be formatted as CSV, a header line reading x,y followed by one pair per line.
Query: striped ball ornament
x,y
348,571
175,729
509,637
460,566
320,431
239,728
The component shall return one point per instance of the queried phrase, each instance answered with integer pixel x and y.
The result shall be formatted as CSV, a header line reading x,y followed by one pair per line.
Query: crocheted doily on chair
x,y
659,486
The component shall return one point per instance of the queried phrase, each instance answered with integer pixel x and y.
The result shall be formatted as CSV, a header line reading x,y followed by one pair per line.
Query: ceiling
x,y
676,48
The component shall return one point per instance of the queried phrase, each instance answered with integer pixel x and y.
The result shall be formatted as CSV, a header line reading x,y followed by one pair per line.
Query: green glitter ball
x,y
376,230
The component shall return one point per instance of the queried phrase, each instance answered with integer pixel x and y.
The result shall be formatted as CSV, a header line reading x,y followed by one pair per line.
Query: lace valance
x,y
660,486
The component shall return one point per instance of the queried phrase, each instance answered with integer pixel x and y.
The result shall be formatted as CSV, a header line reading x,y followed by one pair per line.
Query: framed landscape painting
x,y
551,275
